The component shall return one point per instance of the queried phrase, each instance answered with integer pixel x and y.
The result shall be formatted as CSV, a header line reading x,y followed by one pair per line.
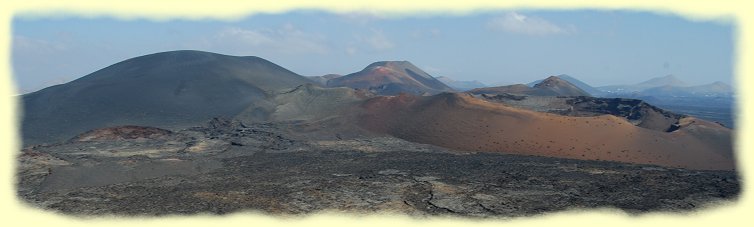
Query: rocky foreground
x,y
226,167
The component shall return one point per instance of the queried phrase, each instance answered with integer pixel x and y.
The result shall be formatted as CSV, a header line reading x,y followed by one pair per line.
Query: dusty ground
x,y
227,167
463,122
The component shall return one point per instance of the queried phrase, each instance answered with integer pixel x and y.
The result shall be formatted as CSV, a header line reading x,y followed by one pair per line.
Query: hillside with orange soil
x,y
462,122
637,112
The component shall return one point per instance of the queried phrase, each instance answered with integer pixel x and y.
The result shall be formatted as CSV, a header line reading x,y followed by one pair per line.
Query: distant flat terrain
x,y
724,115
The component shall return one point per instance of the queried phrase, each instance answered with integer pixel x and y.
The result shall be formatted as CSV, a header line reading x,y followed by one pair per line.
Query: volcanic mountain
x,y
167,90
391,78
180,89
187,132
668,80
552,86
465,123
578,83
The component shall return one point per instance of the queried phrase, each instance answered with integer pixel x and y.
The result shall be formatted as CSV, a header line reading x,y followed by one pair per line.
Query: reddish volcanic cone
x,y
391,78
552,86
462,122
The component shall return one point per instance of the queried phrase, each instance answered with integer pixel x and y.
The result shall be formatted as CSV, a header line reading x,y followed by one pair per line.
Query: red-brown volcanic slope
x,y
394,76
512,89
560,87
551,86
122,133
461,122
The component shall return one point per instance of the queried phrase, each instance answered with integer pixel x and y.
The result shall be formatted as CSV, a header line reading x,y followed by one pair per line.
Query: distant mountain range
x,y
659,87
669,80
461,85
668,86
713,89
712,101
551,86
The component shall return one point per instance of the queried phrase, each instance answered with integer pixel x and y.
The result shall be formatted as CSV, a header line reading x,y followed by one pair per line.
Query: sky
x,y
599,47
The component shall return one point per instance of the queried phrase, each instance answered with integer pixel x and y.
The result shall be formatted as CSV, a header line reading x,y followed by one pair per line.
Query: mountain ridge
x,y
461,85
576,82
168,89
550,86
391,78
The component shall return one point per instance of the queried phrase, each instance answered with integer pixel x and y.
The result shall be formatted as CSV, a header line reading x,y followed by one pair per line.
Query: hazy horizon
x,y
494,47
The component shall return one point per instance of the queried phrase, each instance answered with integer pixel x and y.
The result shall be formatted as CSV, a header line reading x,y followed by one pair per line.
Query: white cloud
x,y
426,33
379,41
361,17
432,70
288,39
374,41
521,24
351,50
27,45
248,37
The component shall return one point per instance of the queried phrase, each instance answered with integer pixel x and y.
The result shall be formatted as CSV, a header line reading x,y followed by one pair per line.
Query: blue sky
x,y
494,47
